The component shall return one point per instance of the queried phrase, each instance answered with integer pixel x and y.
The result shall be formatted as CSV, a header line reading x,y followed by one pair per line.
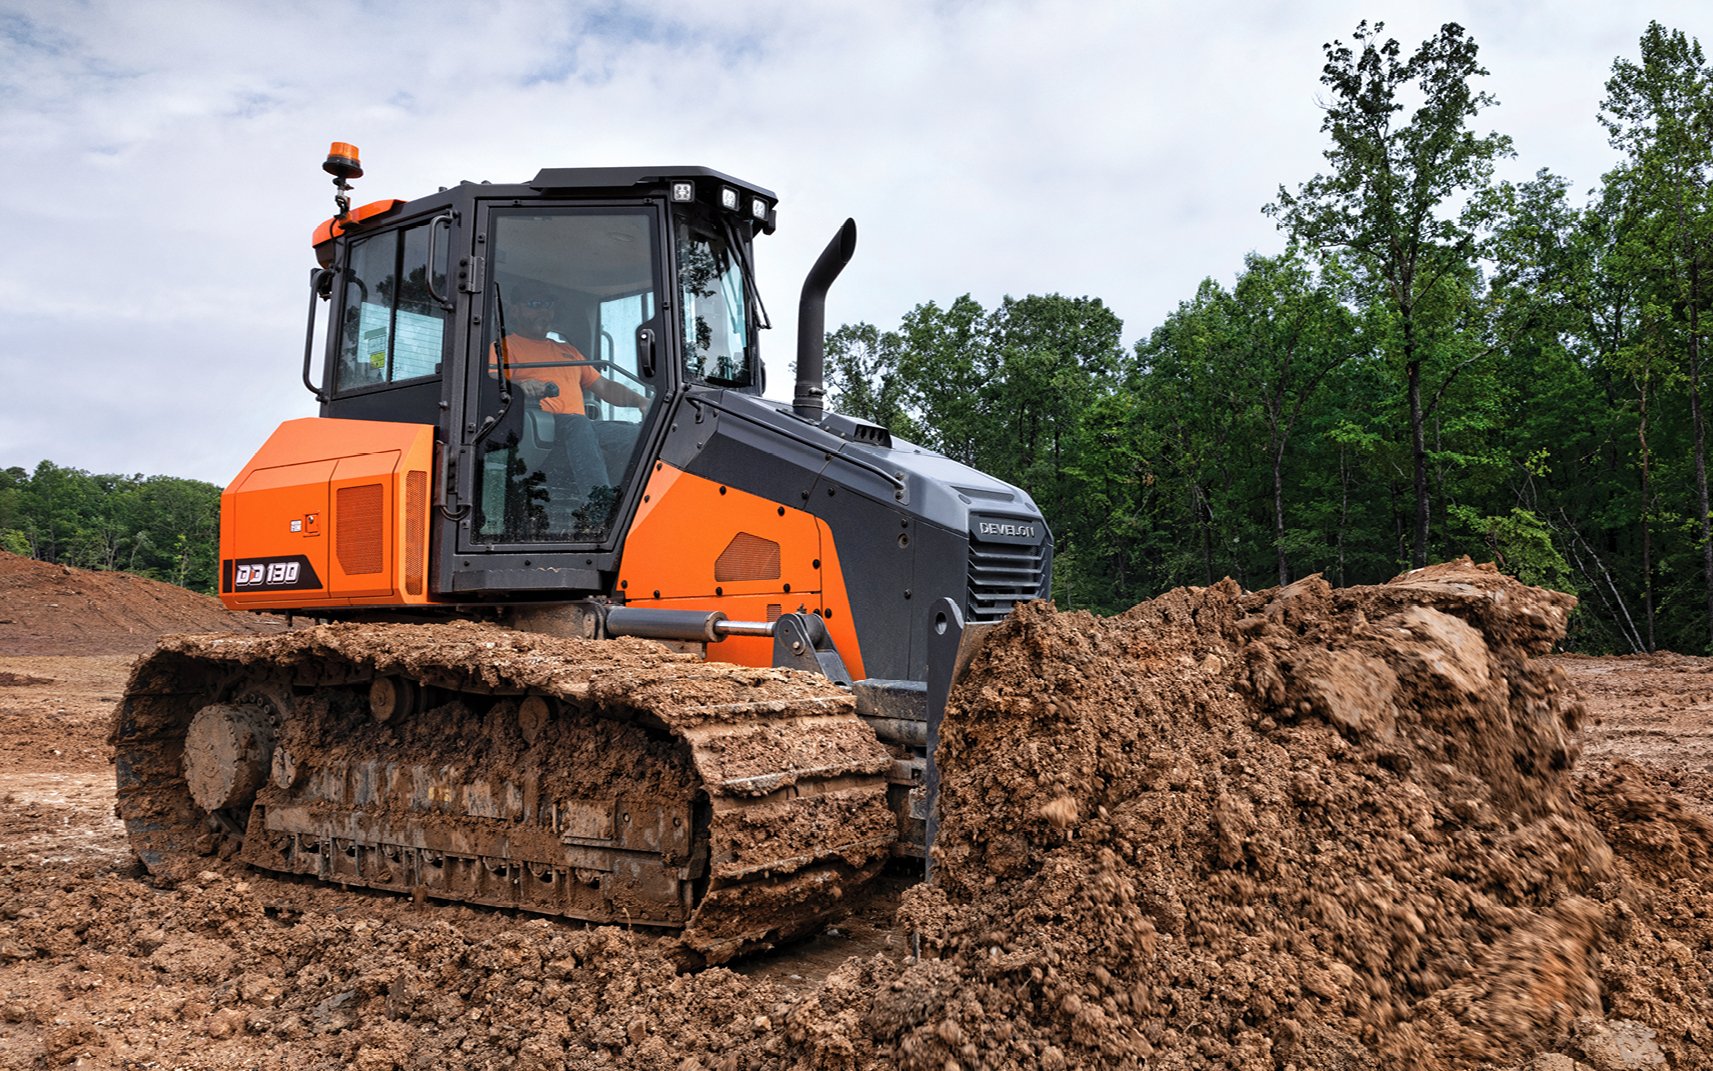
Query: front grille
x,y
1002,575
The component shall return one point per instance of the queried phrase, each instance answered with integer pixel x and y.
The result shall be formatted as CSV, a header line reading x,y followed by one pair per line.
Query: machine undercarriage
x,y
609,781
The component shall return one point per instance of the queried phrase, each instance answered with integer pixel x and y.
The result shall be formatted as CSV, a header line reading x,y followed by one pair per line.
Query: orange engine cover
x,y
329,513
700,545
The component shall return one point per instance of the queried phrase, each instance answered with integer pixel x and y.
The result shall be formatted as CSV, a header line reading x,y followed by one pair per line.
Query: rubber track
x,y
785,784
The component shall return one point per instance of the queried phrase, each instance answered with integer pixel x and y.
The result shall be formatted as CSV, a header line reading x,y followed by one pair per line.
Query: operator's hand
x,y
537,389
617,394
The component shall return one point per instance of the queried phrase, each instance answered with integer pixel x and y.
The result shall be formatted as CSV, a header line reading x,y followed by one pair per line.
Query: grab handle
x,y
320,282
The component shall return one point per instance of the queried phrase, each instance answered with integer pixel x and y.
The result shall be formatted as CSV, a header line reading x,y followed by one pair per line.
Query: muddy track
x,y
609,781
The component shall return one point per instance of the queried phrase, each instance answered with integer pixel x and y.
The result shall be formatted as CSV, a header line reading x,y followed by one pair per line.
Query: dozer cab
x,y
542,440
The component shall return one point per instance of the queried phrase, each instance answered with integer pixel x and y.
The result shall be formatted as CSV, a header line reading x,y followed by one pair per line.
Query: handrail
x,y
318,277
428,272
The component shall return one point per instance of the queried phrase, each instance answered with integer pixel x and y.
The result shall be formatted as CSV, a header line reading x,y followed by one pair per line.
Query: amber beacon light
x,y
344,164
343,161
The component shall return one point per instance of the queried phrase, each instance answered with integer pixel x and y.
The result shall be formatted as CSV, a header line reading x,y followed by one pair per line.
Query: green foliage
x,y
1521,544
1659,113
1385,206
1440,365
157,526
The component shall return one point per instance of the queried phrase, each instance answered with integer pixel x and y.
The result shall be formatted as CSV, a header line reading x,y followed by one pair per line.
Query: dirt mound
x,y
56,609
1303,827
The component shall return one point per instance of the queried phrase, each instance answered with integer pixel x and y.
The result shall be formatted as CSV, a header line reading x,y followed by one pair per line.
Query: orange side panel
x,y
325,515
699,545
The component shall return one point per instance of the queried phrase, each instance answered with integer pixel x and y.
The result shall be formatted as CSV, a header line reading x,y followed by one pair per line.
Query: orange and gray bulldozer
x,y
587,625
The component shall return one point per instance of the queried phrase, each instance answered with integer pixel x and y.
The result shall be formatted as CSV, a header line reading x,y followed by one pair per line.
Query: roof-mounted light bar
x,y
740,202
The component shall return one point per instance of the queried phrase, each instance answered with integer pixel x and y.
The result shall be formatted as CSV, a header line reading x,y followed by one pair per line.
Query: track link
x,y
610,781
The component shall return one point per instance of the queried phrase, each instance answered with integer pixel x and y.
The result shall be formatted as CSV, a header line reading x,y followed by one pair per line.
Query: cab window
x,y
392,328
715,310
570,289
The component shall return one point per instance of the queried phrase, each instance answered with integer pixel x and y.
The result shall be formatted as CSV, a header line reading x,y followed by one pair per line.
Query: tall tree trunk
x,y
1204,521
1647,513
1703,523
1343,507
1274,406
1418,442
1279,514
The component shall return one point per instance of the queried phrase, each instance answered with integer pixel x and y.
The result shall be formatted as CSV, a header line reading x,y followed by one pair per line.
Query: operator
x,y
540,367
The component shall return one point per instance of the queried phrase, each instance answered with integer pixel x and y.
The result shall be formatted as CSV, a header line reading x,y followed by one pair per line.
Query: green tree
x,y
1051,357
945,362
1387,200
1291,333
159,526
1196,419
865,378
1659,112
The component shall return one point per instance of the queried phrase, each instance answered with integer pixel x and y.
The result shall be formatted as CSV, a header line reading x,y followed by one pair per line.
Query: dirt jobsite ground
x,y
1301,828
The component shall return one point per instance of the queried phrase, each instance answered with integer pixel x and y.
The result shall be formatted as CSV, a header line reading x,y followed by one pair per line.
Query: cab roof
x,y
608,178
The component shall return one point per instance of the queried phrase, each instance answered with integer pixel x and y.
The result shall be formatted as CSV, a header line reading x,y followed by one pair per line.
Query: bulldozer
x,y
588,625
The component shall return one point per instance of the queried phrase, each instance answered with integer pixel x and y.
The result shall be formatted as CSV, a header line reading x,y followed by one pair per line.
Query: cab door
x,y
565,388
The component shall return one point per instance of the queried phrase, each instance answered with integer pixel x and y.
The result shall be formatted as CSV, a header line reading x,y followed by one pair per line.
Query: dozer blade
x,y
609,781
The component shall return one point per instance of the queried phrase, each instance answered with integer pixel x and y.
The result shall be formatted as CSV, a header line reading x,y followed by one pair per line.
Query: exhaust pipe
x,y
812,323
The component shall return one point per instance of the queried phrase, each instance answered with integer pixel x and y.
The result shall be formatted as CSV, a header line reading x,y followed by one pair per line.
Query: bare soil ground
x,y
1289,829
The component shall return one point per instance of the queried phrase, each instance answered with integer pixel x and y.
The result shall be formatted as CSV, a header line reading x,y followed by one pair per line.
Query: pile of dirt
x,y
1302,828
58,610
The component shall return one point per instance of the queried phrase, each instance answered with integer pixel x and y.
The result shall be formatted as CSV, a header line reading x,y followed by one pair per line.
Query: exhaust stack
x,y
812,323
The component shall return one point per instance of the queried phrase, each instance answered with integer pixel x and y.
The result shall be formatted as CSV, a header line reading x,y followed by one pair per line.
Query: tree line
x,y
1440,363
157,526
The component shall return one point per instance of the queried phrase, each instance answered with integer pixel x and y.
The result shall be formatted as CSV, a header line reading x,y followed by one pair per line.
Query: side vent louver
x,y
748,557
415,529
357,520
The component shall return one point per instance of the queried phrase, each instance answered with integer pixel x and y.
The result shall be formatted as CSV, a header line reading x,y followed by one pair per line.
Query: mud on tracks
x,y
758,795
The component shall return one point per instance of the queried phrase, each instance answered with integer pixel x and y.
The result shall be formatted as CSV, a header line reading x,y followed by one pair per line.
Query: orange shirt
x,y
543,359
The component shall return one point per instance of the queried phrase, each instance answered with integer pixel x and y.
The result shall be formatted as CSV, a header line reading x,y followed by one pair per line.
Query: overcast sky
x,y
160,162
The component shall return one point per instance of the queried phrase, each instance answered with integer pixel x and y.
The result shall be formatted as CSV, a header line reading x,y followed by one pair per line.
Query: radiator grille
x,y
415,529
357,519
1001,575
748,557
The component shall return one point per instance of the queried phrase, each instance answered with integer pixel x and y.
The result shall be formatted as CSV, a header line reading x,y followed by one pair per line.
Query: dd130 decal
x,y
293,573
